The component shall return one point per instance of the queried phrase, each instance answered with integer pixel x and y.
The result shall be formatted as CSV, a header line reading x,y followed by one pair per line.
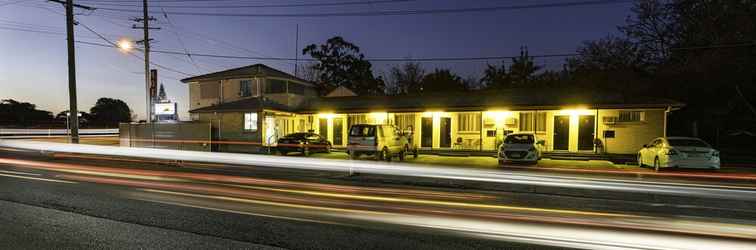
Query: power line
x,y
216,6
112,44
375,59
397,12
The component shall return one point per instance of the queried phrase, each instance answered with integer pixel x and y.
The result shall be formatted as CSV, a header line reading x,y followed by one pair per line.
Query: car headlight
x,y
715,153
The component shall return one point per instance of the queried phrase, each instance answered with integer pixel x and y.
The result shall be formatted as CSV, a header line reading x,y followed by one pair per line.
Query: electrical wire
x,y
394,13
216,6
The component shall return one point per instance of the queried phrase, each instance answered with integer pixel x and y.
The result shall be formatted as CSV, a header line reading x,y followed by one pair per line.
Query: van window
x,y
363,131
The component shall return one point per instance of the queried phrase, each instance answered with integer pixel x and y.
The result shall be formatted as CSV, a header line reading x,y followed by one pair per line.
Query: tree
x,y
109,112
610,63
442,80
340,63
496,77
161,93
653,28
405,79
22,113
523,69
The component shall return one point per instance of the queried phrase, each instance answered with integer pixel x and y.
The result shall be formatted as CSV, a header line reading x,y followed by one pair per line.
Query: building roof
x,y
341,91
243,105
518,99
243,72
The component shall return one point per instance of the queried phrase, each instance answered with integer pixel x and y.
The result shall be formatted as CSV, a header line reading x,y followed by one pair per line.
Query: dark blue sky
x,y
33,64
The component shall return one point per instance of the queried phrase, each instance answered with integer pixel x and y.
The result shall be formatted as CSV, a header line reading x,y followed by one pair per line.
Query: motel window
x,y
533,120
469,122
356,119
275,86
630,116
245,88
296,88
250,122
209,90
405,121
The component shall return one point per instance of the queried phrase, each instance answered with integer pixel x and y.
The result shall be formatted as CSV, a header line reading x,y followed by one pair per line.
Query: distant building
x,y
258,103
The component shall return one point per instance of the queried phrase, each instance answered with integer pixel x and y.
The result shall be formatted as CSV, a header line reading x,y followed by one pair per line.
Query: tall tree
x,y
161,93
496,77
340,63
22,113
109,112
442,80
523,69
610,63
405,79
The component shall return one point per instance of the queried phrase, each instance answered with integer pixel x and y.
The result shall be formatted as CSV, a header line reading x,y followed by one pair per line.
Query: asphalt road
x,y
84,203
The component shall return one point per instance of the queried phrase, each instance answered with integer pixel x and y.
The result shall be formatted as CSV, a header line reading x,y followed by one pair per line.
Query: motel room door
x,y
585,132
445,132
323,127
426,133
561,132
338,132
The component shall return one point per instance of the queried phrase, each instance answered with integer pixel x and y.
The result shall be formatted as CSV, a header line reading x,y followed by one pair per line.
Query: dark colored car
x,y
305,143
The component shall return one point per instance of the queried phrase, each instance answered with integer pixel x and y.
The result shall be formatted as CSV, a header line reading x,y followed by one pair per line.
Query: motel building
x,y
250,107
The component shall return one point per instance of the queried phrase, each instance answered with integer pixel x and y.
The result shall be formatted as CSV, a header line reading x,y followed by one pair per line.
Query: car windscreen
x,y
519,139
296,136
362,131
688,143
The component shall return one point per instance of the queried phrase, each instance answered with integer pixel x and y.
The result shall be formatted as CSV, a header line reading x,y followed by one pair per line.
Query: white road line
x,y
37,179
21,173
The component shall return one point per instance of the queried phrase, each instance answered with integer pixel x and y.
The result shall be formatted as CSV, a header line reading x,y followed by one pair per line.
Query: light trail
x,y
396,169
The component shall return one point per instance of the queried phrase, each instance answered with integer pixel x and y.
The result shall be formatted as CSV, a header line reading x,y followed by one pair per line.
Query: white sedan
x,y
678,152
520,147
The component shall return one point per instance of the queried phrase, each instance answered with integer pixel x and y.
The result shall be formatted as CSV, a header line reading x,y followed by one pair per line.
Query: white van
x,y
381,141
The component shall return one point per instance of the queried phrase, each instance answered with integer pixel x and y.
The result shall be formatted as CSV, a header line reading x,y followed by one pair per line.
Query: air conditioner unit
x,y
610,119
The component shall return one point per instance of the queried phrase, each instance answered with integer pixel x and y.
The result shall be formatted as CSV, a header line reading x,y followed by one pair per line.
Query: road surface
x,y
83,203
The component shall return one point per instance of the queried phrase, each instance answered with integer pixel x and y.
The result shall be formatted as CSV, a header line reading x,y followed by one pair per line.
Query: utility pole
x,y
146,28
74,120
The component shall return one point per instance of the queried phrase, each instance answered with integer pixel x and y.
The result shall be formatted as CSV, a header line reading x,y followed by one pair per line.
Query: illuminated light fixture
x,y
125,45
433,114
499,117
576,112
326,115
379,117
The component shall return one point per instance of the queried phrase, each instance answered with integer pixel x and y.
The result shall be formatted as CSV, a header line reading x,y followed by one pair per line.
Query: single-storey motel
x,y
257,104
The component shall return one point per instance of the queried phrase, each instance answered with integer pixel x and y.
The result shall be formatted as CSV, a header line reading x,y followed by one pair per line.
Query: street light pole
x,y
71,72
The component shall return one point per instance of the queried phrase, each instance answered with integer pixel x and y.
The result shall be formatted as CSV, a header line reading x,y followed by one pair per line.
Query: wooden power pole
x,y
73,111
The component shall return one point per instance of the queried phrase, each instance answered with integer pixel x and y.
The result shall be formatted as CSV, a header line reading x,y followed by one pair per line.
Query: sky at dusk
x,y
33,55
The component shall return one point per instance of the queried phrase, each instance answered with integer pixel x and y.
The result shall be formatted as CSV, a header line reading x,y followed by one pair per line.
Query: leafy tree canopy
x,y
340,63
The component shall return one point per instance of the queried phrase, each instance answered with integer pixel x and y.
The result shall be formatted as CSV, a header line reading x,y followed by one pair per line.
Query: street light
x,y
125,45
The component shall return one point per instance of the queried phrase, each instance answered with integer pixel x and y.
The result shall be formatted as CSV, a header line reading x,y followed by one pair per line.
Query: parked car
x,y
381,141
305,143
678,152
520,147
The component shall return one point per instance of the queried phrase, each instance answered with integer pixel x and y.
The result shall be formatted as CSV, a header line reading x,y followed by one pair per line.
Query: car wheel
x,y
353,155
385,154
501,162
403,154
640,160
656,164
306,151
415,153
328,148
283,152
